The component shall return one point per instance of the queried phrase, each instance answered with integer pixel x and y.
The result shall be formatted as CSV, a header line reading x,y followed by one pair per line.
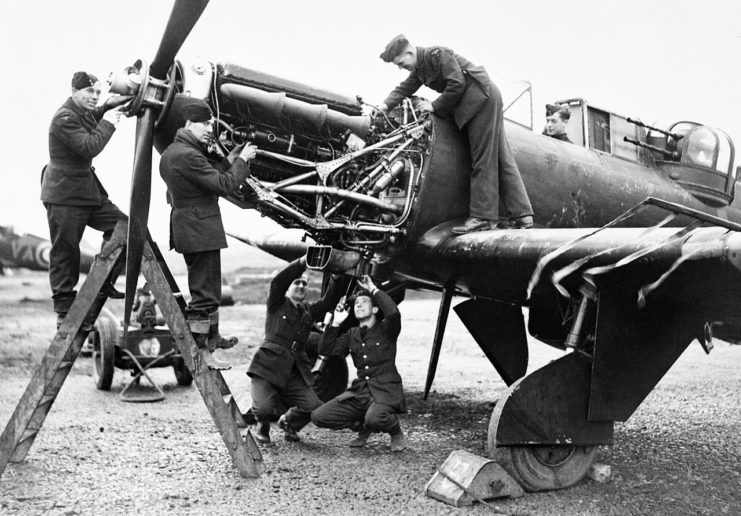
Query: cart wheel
x,y
182,374
104,352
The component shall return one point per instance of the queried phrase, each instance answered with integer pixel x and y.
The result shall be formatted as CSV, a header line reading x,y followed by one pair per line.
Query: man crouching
x,y
376,396
280,370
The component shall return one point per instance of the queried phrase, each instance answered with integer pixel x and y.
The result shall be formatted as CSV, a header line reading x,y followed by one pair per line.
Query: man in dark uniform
x,y
472,100
557,117
194,184
280,370
71,192
376,396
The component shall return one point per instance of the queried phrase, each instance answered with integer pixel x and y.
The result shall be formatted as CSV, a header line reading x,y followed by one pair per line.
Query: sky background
x,y
661,61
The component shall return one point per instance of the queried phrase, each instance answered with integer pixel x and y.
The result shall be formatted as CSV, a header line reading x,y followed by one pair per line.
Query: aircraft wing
x,y
698,265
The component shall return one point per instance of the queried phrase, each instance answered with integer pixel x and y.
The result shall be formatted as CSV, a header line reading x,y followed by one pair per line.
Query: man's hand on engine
x,y
248,152
117,100
113,116
340,312
366,283
425,106
235,152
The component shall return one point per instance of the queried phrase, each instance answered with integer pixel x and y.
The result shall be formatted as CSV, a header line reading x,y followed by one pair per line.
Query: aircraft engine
x,y
346,177
349,176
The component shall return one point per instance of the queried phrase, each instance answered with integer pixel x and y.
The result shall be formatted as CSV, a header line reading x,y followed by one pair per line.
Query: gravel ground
x,y
678,454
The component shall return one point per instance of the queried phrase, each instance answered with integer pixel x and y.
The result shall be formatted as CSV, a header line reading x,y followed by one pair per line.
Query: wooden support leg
x,y
42,390
244,452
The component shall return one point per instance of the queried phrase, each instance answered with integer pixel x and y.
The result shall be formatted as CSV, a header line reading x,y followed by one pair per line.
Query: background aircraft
x,y
32,252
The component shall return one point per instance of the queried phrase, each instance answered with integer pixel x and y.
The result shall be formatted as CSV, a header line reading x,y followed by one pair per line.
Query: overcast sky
x,y
661,61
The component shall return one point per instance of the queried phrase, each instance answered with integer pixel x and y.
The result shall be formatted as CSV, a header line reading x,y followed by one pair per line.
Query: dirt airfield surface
x,y
679,453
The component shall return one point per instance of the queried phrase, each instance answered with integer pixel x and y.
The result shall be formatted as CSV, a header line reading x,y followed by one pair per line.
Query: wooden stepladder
x,y
42,390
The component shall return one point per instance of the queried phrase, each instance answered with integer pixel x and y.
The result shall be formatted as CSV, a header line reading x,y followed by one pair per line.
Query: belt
x,y
192,201
292,345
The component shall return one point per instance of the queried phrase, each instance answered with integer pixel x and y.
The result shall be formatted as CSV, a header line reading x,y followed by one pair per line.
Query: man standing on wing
x,y
376,396
469,98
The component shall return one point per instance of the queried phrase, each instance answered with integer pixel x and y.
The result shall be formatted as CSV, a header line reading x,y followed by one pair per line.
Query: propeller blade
x,y
437,343
141,187
184,15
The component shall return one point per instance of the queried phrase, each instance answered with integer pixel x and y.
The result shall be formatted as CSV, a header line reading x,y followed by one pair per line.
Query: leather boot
x,y
473,224
215,340
524,222
289,432
110,291
199,327
360,440
398,443
262,433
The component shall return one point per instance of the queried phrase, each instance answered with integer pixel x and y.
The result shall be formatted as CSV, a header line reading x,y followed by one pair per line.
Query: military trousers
x,y
348,411
204,283
268,401
496,186
66,226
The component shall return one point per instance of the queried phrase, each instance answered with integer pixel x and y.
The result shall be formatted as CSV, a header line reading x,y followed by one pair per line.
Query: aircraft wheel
x,y
541,468
104,352
182,374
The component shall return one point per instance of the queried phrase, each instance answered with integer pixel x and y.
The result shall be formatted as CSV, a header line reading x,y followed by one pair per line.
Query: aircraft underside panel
x,y
634,348
499,329
636,343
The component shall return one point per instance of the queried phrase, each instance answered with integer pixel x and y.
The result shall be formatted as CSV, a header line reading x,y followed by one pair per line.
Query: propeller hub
x,y
136,80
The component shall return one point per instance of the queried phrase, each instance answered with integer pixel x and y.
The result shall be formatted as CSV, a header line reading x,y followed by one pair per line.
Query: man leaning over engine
x,y
473,101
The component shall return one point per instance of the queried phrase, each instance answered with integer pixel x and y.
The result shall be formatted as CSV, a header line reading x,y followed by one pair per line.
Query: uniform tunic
x,y
469,97
194,184
377,393
281,361
73,195
562,137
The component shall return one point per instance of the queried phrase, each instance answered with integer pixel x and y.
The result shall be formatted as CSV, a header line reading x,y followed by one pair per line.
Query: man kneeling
x,y
376,396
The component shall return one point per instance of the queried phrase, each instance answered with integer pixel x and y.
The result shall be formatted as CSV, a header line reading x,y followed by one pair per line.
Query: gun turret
x,y
673,155
676,137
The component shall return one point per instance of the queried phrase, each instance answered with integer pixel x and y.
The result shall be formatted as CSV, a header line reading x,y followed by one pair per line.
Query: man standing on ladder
x,y
194,184
71,192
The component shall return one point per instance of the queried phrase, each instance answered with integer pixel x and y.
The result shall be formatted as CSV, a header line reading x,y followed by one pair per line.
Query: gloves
x,y
113,116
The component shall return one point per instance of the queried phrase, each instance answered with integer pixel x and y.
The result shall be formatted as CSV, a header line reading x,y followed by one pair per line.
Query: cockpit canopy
x,y
703,161
697,157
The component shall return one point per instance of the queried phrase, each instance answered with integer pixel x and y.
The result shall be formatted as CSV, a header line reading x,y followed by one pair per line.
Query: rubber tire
x,y
104,353
182,374
536,468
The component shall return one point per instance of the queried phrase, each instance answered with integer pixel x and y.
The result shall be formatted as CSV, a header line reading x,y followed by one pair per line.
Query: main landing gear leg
x,y
539,430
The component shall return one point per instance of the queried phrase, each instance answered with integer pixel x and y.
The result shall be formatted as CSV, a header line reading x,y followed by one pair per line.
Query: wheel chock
x,y
464,478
